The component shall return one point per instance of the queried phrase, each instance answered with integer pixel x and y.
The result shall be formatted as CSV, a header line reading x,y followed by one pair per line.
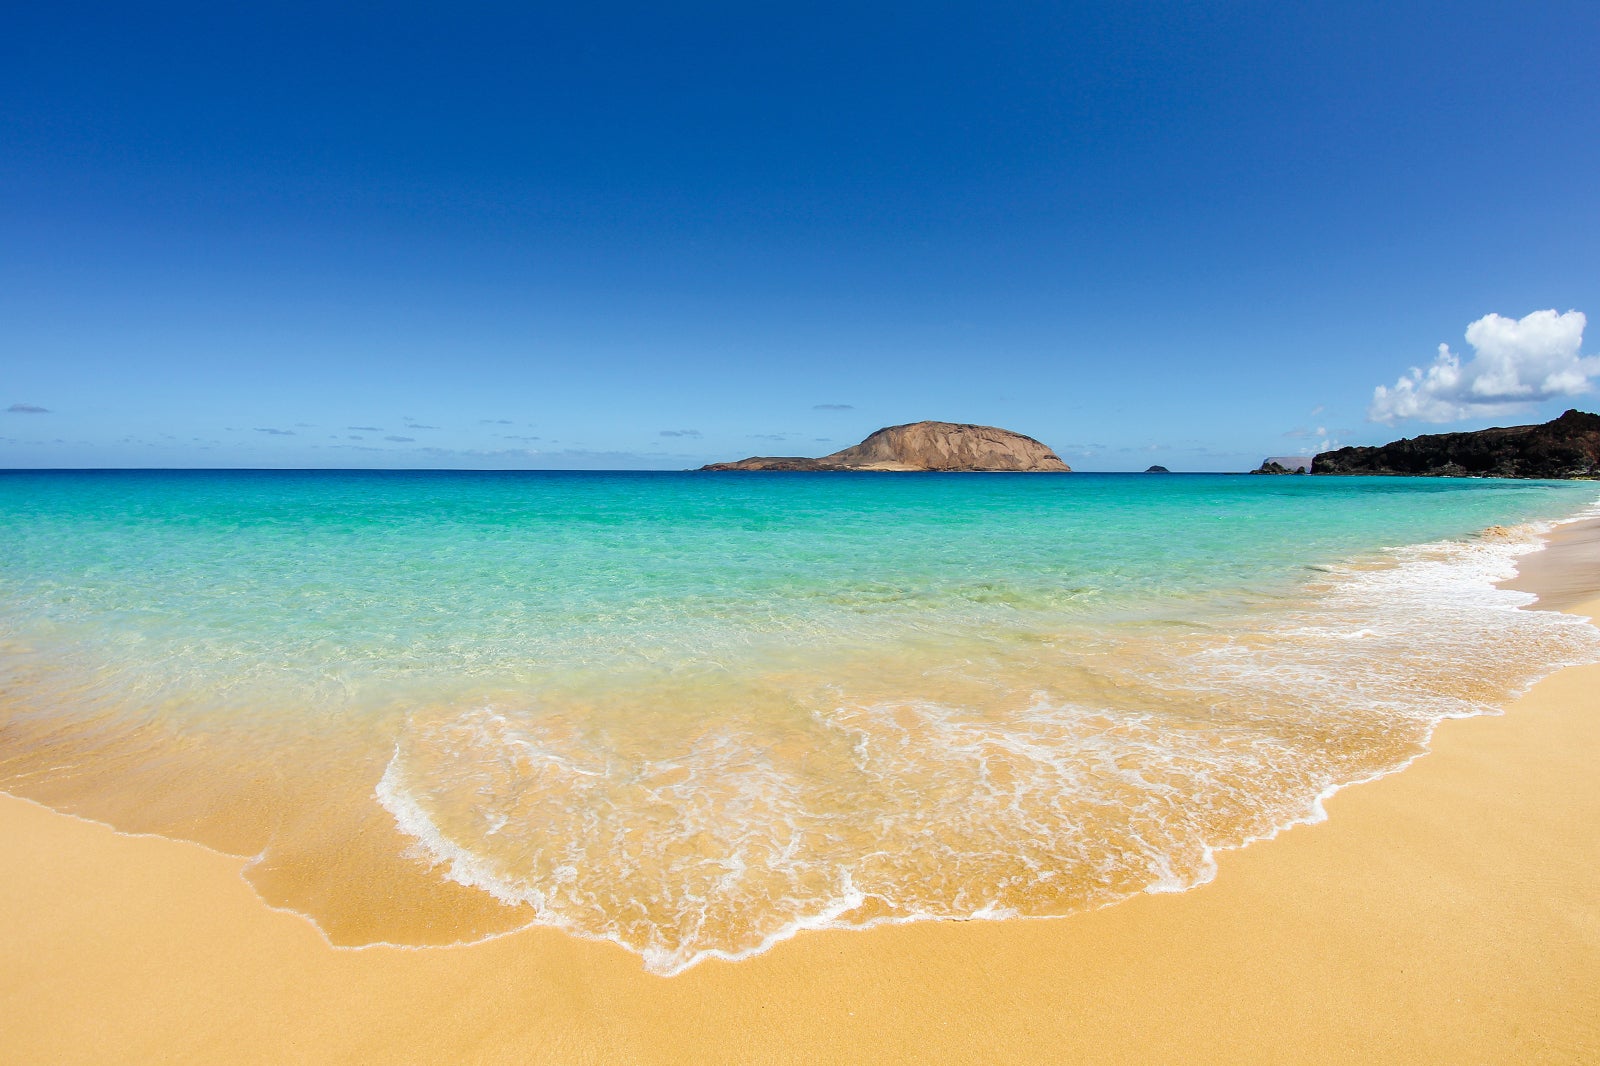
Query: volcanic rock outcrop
x,y
924,446
1567,447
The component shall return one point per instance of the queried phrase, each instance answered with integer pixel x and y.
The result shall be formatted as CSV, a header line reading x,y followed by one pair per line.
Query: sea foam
x,y
1037,800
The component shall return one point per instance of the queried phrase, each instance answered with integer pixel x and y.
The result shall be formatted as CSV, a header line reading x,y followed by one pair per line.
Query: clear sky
x,y
570,235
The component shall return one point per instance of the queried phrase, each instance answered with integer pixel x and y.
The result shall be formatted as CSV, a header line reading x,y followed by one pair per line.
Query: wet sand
x,y
1448,913
1567,572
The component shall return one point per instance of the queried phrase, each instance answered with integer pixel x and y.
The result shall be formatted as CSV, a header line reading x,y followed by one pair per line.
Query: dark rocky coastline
x,y
1566,447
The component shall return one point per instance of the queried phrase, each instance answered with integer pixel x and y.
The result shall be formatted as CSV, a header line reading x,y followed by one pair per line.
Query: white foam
x,y
708,846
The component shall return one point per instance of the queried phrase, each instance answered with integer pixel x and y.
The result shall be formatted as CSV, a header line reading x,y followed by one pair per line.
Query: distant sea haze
x,y
1290,463
695,714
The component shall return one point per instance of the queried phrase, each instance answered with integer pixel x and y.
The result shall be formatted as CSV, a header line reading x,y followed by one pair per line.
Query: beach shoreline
x,y
1566,574
1446,913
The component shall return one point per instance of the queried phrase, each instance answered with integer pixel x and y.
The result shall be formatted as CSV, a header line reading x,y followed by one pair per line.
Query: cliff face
x,y
1568,447
939,446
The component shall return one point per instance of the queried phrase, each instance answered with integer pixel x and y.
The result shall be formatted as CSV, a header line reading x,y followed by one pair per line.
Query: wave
x,y
1016,775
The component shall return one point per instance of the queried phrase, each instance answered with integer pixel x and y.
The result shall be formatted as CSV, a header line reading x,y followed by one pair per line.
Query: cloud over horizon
x,y
27,409
1515,364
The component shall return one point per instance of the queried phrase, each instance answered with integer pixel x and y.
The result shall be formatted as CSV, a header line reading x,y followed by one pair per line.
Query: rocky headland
x,y
924,446
1566,447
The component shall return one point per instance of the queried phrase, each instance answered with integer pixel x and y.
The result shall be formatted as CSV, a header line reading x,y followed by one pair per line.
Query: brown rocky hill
x,y
926,446
1567,447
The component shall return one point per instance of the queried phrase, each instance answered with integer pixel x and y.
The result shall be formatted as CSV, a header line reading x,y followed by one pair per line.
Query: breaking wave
x,y
1017,775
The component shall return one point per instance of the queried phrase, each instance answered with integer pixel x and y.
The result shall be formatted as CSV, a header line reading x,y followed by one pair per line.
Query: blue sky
x,y
539,236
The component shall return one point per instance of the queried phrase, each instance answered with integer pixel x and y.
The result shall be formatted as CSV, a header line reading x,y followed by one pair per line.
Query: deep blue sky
x,y
657,236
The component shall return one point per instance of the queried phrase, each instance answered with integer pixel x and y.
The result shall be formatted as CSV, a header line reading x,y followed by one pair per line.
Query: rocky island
x,y
924,446
1566,447
1284,464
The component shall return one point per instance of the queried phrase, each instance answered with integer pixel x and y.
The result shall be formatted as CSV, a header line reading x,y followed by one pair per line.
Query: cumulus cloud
x,y
680,433
1515,364
27,409
833,407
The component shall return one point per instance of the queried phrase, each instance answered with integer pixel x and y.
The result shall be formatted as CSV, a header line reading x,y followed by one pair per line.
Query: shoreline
x,y
1566,574
1449,912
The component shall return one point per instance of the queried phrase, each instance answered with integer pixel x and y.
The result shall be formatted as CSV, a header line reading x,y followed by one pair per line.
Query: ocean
x,y
693,714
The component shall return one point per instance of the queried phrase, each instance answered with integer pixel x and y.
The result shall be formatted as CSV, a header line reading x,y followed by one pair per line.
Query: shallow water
x,y
694,713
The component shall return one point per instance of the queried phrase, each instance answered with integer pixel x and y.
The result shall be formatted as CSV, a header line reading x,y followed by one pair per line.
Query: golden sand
x,y
1449,913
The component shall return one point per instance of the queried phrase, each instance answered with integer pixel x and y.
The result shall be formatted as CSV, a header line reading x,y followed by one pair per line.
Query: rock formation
x,y
1568,447
927,446
1284,464
1157,470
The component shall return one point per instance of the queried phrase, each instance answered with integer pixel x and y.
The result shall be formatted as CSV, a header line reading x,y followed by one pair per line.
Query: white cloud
x,y
1515,364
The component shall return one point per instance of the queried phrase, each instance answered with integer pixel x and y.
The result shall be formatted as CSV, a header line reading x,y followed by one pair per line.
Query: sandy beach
x,y
1449,913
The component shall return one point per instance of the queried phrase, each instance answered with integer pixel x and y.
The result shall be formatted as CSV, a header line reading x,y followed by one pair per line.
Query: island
x,y
1284,464
946,447
1566,447
1157,469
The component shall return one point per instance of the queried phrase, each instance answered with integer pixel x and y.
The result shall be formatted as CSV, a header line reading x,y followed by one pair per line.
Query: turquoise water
x,y
693,713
